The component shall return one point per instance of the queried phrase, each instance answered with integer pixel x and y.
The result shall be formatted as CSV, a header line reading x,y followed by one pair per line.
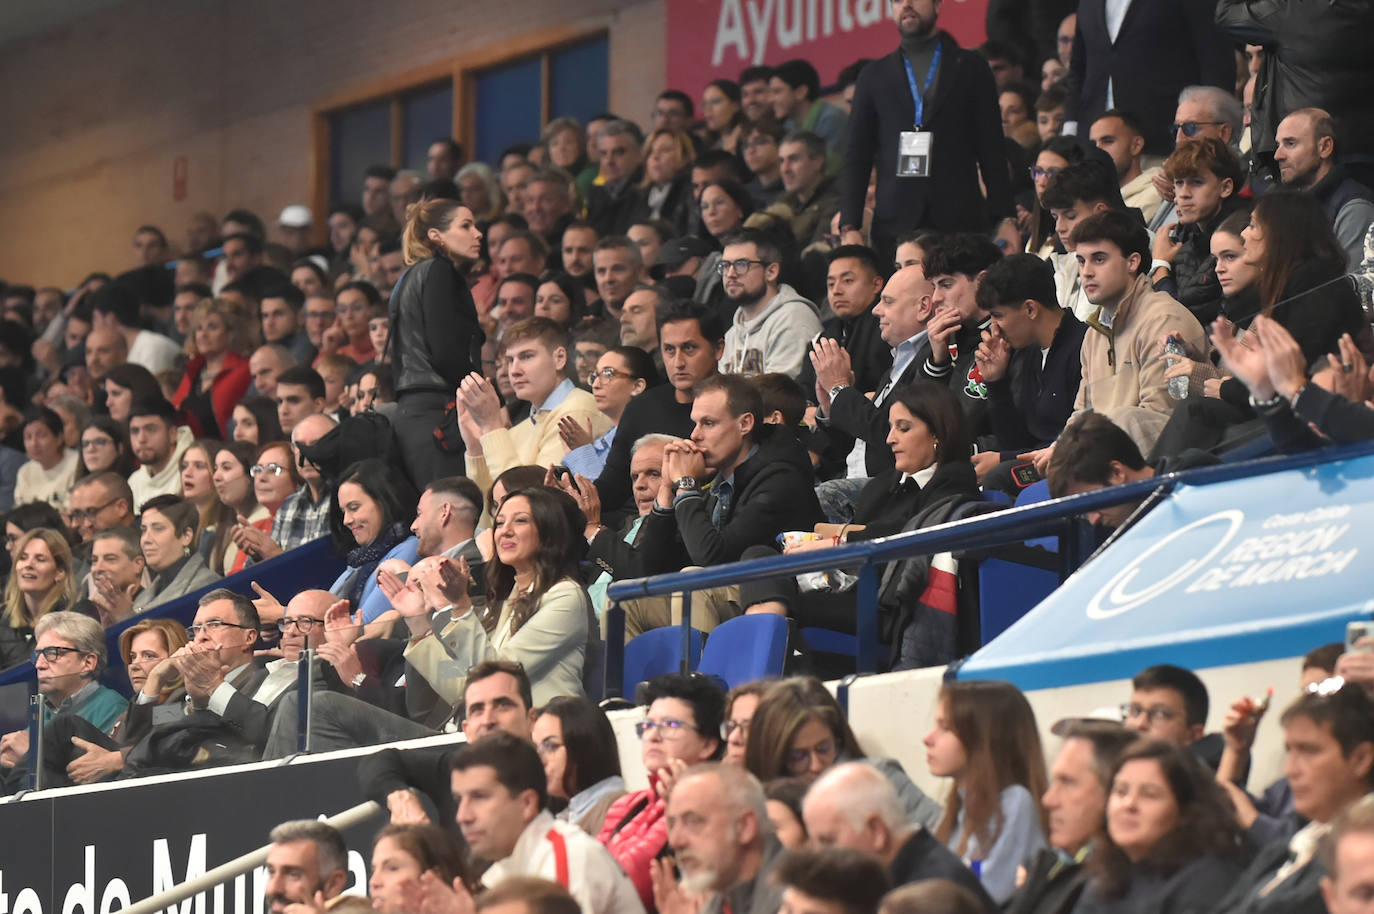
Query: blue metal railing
x,y
1058,517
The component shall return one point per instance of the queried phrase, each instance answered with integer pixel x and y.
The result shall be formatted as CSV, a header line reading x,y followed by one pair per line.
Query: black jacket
x,y
922,857
1194,889
435,338
656,411
1052,886
871,360
854,414
1193,278
1163,46
610,208
1300,893
1030,405
773,492
963,116
962,377
675,208
1316,55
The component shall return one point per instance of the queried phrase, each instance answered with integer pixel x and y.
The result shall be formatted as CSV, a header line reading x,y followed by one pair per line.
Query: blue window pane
x,y
358,137
427,116
507,108
579,80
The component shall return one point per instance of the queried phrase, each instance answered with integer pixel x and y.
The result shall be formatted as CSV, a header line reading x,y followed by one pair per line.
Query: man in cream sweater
x,y
537,356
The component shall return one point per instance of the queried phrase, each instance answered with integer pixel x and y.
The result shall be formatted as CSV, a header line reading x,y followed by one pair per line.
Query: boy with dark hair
x,y
831,879
1029,359
1079,191
796,89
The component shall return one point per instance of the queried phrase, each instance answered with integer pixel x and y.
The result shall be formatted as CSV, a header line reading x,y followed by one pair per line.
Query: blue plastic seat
x,y
655,652
745,648
1007,590
1035,493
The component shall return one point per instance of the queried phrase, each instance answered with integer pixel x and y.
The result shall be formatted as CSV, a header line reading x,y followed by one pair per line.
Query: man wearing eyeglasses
x,y
773,324
1170,703
69,657
1203,111
683,727
101,502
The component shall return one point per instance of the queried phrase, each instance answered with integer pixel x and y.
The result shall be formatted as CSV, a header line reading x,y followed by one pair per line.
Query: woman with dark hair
x,y
932,477
985,739
724,206
233,482
537,612
256,421
126,385
577,745
308,276
401,854
217,374
799,730
105,447
783,798
370,520
622,374
1302,281
520,477
168,527
722,113
560,298
1036,221
32,516
1017,101
666,191
1172,842
436,340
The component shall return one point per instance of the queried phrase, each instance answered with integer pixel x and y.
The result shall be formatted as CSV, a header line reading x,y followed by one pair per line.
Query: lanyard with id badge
x,y
913,146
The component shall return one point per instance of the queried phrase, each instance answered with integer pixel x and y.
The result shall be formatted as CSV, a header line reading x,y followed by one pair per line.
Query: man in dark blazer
x,y
938,187
903,309
1160,46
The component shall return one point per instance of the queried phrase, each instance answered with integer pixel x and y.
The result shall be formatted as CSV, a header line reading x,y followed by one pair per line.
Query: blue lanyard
x,y
918,98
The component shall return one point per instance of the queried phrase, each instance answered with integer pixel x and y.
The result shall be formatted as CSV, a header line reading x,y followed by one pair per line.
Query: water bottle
x,y
1178,387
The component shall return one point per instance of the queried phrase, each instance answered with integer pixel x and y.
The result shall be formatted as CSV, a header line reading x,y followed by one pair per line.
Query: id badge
x,y
913,154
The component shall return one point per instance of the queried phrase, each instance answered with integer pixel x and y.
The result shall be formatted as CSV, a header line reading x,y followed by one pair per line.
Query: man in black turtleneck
x,y
955,106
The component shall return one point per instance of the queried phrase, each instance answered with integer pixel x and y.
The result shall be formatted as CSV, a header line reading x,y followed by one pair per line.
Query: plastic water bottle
x,y
1178,387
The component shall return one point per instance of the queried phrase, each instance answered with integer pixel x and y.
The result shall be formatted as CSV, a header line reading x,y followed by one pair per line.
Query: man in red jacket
x,y
681,729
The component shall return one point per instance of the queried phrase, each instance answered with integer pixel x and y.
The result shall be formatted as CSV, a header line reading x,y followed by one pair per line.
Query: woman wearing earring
x,y
436,340
168,527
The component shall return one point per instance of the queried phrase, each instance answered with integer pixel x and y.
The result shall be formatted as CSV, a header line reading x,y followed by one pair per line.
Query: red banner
x,y
714,39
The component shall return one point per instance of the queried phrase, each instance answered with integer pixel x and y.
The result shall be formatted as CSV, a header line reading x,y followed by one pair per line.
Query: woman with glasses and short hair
x,y
274,478
680,729
105,447
622,374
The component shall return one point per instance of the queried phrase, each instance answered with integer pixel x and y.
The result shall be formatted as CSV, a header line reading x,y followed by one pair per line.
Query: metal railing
x,y
1058,518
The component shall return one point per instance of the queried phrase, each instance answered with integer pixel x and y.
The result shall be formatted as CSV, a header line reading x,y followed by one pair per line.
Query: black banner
x,y
93,851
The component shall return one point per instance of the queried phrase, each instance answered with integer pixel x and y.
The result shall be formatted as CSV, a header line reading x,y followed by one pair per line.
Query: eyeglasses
x,y
212,627
739,266
82,514
1190,128
548,746
303,624
1036,172
667,728
606,374
276,469
97,442
1153,715
53,654
797,759
730,726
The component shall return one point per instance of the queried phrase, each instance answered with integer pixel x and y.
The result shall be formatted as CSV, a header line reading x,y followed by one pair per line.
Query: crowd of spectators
x,y
820,314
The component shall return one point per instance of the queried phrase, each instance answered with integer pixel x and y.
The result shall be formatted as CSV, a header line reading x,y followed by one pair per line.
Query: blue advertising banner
x,y
1254,569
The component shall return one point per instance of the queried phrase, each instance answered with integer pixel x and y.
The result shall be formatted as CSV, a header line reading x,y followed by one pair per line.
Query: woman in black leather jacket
x,y
436,340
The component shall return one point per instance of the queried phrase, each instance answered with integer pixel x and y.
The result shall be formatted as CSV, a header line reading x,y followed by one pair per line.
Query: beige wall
x,y
96,112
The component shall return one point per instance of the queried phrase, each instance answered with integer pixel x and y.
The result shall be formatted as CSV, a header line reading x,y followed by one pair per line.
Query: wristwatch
x,y
836,389
685,483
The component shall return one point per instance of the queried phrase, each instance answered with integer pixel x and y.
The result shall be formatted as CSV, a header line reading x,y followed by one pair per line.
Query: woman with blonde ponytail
x,y
435,340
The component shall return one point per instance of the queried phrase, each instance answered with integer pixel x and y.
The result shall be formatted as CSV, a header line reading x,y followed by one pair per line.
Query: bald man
x,y
853,805
903,310
105,349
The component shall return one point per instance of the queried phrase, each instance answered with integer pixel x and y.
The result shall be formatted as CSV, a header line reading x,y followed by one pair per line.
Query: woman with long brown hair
x,y
985,739
41,582
436,339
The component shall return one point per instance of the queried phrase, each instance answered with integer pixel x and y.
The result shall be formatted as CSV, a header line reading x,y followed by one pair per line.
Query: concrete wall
x,y
96,111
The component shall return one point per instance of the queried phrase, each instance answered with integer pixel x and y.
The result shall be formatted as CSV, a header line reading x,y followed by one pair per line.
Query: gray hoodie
x,y
775,340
